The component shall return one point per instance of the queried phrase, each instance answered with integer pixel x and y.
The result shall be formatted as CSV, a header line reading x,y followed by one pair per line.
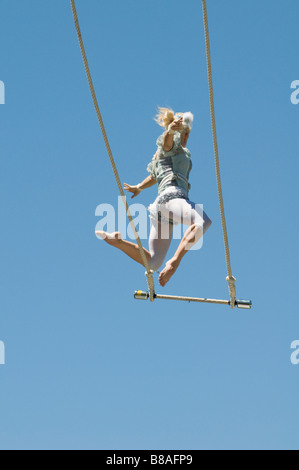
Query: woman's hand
x,y
132,189
176,126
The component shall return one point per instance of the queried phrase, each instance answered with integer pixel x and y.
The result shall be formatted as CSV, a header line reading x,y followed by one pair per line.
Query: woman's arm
x,y
136,190
168,138
147,183
184,139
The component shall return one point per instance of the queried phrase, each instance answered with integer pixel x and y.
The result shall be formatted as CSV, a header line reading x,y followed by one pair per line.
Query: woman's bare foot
x,y
168,271
110,238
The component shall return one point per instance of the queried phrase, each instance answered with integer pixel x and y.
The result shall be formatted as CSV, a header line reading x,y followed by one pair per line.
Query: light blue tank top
x,y
171,168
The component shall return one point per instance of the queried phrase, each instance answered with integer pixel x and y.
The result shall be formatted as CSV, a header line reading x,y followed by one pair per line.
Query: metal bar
x,y
192,299
139,295
246,304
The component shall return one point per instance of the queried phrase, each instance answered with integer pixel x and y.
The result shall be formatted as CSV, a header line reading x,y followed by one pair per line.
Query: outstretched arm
x,y
136,190
168,138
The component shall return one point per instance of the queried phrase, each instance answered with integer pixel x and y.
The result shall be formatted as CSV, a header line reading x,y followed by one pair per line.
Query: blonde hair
x,y
166,116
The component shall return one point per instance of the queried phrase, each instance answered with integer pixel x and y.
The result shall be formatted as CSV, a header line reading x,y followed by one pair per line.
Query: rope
x,y
230,279
149,273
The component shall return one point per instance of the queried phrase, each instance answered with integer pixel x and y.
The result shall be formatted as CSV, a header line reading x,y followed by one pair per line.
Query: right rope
x,y
230,279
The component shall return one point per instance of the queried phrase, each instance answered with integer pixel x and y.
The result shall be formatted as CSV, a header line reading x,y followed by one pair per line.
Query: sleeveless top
x,y
172,169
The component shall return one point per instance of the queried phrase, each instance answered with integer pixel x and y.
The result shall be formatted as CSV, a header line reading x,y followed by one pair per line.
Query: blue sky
x,y
87,367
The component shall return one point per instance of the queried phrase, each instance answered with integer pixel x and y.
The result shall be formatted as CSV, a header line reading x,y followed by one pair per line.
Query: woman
x,y
170,168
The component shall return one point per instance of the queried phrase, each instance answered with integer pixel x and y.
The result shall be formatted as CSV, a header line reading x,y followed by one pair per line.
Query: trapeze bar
x,y
247,304
140,295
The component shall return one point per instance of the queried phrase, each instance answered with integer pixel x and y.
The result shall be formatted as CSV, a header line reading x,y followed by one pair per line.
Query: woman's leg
x,y
130,249
186,213
159,243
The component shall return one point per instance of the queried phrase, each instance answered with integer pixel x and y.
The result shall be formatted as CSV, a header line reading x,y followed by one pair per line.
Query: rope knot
x,y
232,290
151,285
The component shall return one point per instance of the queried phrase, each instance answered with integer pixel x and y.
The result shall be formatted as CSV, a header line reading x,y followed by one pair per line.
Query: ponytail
x,y
165,117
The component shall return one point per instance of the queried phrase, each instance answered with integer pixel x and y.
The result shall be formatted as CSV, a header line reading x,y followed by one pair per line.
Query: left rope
x,y
149,272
